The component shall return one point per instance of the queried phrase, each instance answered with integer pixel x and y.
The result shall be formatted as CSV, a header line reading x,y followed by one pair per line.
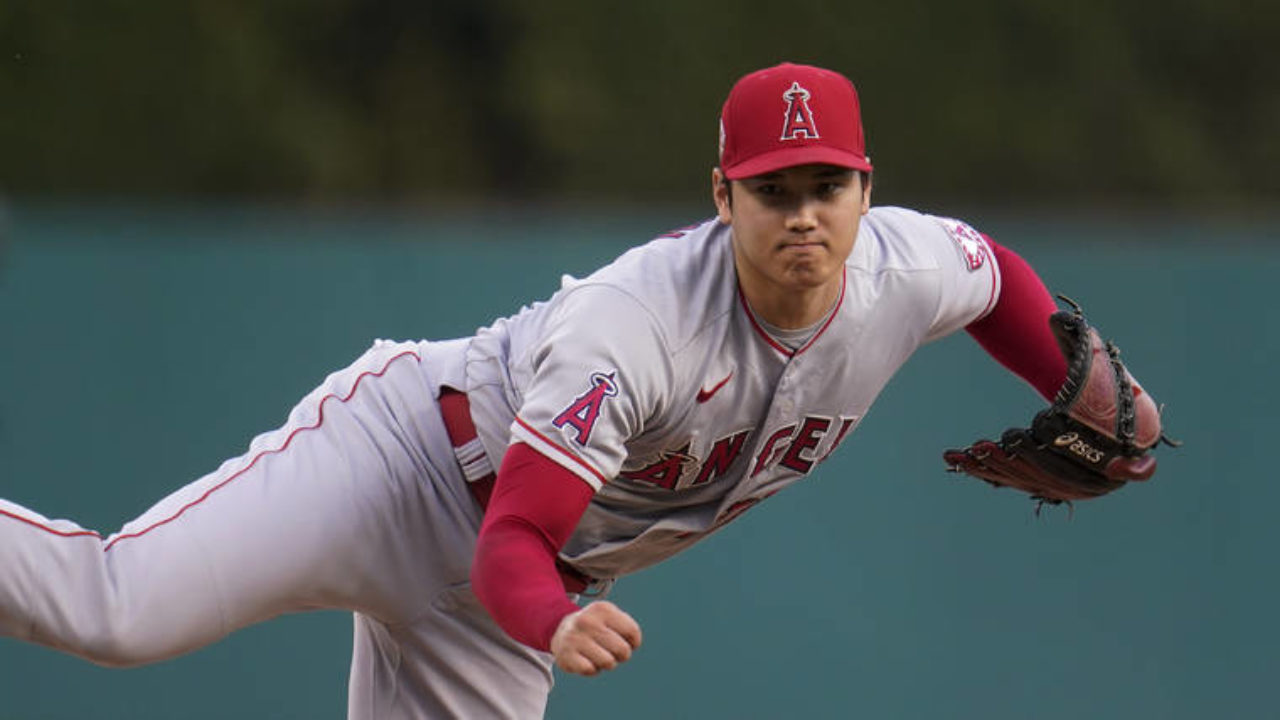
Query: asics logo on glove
x,y
1072,442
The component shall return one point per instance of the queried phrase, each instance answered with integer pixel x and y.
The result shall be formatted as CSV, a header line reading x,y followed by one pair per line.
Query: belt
x,y
455,409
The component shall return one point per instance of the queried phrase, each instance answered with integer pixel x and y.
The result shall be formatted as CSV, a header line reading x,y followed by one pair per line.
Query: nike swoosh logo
x,y
705,395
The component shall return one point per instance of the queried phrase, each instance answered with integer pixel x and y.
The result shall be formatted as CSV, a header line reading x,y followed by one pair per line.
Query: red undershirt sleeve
x,y
1016,331
536,504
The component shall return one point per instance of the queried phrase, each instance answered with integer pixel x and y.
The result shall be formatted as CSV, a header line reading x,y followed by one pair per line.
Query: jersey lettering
x,y
665,472
786,447
722,455
810,433
846,424
799,122
768,451
582,413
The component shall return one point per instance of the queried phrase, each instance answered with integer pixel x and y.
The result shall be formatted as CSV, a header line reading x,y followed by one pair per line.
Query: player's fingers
x,y
626,627
595,658
609,624
576,663
602,656
608,615
618,647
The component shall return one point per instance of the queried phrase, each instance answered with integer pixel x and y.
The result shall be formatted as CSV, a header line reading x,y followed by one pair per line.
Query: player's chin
x,y
810,272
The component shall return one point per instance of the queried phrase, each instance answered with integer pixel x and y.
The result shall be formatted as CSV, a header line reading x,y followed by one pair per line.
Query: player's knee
x,y
114,649
113,655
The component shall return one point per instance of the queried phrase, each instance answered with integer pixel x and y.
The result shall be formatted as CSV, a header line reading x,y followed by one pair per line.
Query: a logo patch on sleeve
x,y
970,241
581,414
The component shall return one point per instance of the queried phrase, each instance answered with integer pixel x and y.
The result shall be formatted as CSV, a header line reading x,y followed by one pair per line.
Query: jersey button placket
x,y
786,405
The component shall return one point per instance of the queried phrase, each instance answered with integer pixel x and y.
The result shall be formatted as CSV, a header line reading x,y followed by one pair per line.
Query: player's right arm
x,y
535,506
599,371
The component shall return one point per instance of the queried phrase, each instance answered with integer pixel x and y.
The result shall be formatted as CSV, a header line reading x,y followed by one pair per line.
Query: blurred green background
x,y
1091,102
206,207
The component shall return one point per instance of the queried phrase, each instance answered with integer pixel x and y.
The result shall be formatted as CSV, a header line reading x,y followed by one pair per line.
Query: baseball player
x,y
472,500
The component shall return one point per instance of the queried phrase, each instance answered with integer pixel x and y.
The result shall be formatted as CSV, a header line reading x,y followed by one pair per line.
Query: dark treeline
x,y
1008,101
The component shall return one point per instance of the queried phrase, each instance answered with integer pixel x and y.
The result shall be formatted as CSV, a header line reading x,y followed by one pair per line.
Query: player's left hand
x,y
1094,438
598,637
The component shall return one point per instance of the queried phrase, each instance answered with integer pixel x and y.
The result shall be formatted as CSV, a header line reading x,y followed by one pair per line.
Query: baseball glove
x,y
1094,437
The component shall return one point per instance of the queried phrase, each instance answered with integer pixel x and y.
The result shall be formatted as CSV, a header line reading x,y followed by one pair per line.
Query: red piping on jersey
x,y
256,458
991,255
562,451
780,347
46,528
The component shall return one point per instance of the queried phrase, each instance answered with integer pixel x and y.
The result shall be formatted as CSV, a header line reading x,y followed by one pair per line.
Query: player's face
x,y
793,229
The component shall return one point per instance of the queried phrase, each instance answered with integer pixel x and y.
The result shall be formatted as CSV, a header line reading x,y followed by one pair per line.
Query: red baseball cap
x,y
791,115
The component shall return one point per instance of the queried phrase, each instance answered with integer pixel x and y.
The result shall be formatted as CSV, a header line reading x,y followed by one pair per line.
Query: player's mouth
x,y
801,245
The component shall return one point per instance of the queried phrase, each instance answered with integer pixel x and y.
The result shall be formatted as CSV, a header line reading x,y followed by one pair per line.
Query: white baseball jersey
x,y
653,381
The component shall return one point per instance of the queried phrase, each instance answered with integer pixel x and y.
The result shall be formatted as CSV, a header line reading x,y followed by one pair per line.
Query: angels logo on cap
x,y
805,97
798,121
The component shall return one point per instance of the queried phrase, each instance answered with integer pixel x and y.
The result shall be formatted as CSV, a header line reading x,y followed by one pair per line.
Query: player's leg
x,y
356,503
452,662
311,516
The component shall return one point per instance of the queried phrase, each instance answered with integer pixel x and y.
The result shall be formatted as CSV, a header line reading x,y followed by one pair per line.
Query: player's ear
x,y
720,193
866,192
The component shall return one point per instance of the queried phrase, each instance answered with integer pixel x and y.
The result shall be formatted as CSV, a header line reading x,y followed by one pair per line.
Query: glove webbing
x,y
1078,373
1126,414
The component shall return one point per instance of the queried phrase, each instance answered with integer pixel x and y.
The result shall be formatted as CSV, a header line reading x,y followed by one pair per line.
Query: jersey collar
x,y
788,352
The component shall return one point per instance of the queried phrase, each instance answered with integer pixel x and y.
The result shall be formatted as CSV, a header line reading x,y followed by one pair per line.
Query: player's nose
x,y
802,217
